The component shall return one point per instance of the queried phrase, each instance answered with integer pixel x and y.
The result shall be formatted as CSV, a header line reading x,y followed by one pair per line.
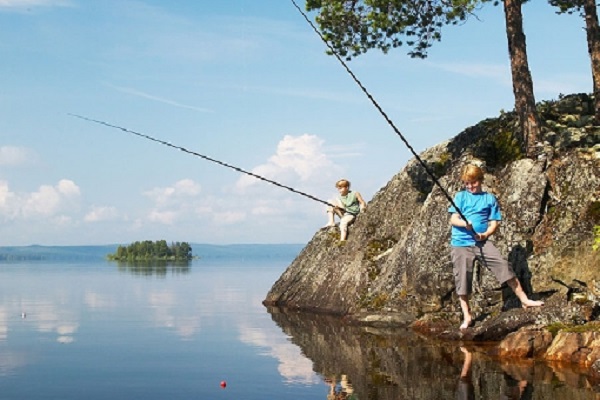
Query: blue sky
x,y
245,82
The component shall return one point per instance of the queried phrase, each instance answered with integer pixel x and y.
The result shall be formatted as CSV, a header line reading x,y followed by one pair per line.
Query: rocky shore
x,y
395,268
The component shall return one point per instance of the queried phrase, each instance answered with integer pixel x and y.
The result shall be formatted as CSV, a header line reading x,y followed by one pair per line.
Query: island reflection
x,y
364,363
158,268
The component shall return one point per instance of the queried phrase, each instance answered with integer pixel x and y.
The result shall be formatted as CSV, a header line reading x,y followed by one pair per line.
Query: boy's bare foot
x,y
532,303
467,323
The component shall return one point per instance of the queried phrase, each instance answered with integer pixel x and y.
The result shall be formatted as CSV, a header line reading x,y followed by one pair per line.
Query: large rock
x,y
395,268
576,347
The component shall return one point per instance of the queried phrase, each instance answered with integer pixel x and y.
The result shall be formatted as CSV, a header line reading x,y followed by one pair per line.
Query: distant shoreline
x,y
99,252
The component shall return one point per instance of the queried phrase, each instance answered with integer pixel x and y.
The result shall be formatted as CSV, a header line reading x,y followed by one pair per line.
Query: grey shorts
x,y
463,260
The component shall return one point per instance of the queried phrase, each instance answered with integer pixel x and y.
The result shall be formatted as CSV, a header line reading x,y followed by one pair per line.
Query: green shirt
x,y
350,203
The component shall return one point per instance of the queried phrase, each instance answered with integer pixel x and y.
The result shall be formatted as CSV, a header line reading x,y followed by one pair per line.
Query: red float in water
x,y
223,384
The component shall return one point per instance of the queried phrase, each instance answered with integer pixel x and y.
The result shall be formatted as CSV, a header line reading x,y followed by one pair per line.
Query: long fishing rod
x,y
224,164
380,109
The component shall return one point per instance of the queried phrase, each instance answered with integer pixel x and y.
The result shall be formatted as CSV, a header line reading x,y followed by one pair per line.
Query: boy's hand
x,y
480,237
468,226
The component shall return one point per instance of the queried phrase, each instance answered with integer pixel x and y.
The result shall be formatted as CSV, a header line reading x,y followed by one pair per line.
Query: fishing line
x,y
380,109
224,164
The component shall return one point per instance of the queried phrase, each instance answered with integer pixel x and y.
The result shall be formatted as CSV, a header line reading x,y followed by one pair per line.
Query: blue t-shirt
x,y
479,209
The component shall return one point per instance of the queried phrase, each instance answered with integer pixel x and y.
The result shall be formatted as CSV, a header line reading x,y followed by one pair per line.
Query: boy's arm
x,y
492,226
361,202
457,221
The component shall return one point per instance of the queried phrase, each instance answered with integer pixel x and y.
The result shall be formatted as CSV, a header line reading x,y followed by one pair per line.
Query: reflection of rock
x,y
394,364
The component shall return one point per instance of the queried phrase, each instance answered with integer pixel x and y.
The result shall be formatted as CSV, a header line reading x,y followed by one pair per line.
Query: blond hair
x,y
342,183
471,173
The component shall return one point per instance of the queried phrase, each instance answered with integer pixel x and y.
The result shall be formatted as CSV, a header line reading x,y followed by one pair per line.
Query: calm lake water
x,y
98,330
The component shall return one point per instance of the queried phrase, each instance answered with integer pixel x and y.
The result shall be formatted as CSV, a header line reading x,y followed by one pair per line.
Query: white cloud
x,y
68,188
50,200
163,217
12,155
229,217
185,188
300,162
98,214
47,201
8,200
62,220
297,157
173,201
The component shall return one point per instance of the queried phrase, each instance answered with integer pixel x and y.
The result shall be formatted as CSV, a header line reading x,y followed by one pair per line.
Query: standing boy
x,y
348,205
470,241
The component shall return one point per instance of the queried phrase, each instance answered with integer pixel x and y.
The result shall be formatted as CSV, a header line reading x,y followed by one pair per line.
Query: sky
x,y
244,82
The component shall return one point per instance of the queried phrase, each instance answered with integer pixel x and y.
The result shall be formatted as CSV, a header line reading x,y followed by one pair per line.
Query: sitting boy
x,y
347,207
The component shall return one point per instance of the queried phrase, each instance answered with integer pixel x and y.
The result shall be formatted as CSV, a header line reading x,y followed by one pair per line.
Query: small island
x,y
148,250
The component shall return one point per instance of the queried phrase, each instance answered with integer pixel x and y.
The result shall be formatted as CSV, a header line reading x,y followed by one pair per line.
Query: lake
x,y
98,330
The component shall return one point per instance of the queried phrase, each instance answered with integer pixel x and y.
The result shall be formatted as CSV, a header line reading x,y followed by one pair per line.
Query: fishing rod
x,y
381,111
224,164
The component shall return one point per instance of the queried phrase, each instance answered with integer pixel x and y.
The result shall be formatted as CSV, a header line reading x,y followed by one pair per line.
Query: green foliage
x,y
557,327
440,166
567,6
354,27
507,148
376,247
152,251
596,244
373,302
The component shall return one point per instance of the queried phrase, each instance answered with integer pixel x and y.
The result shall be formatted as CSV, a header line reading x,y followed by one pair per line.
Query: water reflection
x,y
370,363
515,379
158,268
292,366
340,389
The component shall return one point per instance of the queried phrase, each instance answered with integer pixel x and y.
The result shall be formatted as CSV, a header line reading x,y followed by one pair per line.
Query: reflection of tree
x,y
389,364
159,268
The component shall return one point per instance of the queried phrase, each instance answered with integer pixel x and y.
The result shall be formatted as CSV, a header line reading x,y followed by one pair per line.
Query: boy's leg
x,y
466,310
346,220
492,259
330,220
526,302
330,213
462,267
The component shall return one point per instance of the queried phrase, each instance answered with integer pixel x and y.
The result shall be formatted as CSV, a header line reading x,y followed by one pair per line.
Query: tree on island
x,y
148,250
